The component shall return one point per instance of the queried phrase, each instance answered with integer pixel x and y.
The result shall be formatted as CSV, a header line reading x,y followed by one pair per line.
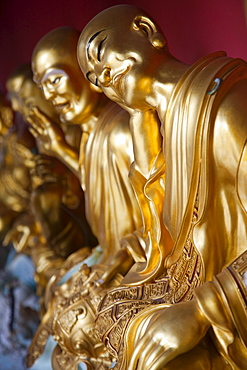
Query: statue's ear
x,y
148,27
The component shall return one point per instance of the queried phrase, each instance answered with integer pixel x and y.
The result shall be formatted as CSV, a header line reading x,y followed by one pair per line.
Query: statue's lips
x,y
62,107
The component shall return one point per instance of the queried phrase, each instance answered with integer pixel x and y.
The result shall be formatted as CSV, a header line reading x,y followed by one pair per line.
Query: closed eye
x,y
100,49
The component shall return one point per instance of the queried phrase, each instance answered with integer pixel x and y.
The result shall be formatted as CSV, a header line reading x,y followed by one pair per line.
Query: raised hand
x,y
47,132
171,332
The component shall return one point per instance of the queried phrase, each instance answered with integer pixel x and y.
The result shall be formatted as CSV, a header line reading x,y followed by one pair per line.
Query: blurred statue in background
x,y
53,224
17,145
8,212
189,133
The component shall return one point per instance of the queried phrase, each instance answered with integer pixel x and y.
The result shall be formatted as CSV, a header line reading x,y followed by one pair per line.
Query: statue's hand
x,y
48,168
171,332
120,264
45,130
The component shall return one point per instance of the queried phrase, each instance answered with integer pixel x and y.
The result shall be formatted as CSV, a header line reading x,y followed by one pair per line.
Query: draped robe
x,y
106,155
204,168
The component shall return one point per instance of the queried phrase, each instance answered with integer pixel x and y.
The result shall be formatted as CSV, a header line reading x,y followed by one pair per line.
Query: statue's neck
x,y
145,125
165,82
90,123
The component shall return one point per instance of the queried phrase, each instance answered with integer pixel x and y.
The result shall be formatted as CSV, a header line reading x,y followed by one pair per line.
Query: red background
x,y
193,27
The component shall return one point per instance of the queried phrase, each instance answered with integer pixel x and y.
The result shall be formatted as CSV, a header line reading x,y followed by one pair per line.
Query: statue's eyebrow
x,y
52,72
90,41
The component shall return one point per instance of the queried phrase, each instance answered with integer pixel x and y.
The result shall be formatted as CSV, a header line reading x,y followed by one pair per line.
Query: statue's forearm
x,y
120,264
68,156
147,140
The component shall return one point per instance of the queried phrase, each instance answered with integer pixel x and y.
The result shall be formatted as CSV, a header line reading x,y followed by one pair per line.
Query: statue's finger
x,y
136,354
144,354
43,162
34,122
34,126
35,110
33,132
30,119
149,354
39,130
40,117
43,119
163,359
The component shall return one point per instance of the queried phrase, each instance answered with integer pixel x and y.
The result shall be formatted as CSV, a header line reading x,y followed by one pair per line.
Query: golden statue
x,y
106,150
53,220
16,149
103,163
189,136
7,213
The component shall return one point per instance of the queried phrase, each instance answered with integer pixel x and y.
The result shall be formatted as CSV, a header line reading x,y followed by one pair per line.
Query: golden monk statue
x,y
54,213
7,213
17,145
106,147
103,164
189,133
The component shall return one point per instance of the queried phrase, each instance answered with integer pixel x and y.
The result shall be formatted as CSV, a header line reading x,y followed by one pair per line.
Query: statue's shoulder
x,y
233,107
115,122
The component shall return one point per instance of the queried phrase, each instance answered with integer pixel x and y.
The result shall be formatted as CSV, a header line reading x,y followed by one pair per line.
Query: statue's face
x,y
30,95
65,87
26,94
118,61
6,120
13,87
15,102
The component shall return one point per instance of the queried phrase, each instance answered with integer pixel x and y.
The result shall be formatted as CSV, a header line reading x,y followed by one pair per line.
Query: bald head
x,y
57,46
56,71
64,39
15,82
18,76
114,16
116,51
121,20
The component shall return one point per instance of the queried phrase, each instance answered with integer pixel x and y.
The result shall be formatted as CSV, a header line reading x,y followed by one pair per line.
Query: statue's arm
x,y
220,304
147,139
171,332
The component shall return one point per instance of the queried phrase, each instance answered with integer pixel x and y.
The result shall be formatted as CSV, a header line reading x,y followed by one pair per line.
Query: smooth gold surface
x,y
192,196
218,303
